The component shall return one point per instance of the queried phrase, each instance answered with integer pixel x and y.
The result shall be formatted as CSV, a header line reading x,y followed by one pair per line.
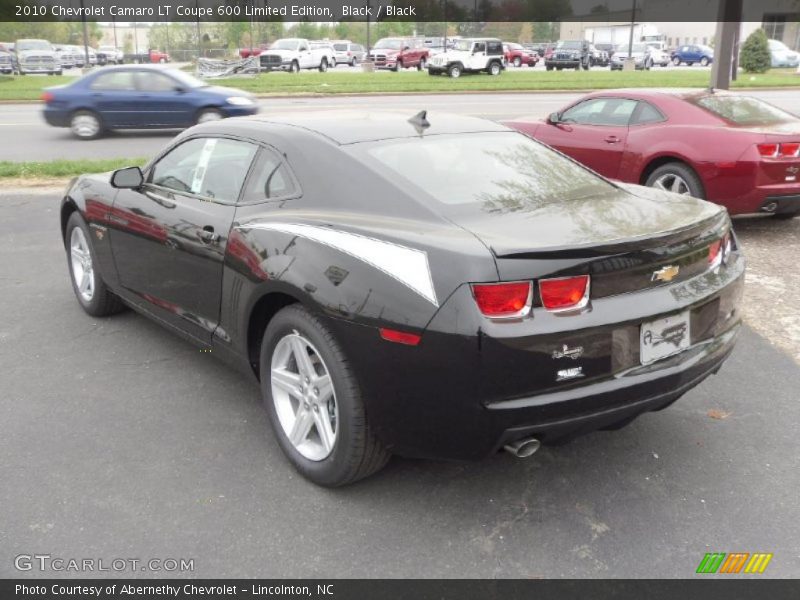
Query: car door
x,y
478,57
162,101
305,56
169,237
593,132
113,96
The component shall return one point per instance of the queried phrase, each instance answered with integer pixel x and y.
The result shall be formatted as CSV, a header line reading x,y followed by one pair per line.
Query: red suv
x,y
517,55
398,53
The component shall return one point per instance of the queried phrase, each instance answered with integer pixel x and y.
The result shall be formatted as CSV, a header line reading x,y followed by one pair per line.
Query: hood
x,y
634,55
387,51
24,53
618,218
279,52
226,92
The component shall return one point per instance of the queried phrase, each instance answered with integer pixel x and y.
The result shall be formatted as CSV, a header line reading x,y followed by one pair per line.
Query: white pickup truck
x,y
293,54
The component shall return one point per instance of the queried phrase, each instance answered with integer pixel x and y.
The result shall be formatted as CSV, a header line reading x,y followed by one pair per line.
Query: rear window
x,y
743,110
340,47
503,172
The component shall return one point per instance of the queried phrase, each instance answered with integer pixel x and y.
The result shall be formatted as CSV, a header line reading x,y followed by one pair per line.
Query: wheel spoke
x,y
322,421
302,425
287,381
300,351
85,281
324,387
676,185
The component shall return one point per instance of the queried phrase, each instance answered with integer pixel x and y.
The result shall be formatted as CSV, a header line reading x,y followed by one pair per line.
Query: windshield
x,y
743,110
636,48
776,45
503,172
285,45
569,45
463,45
389,44
24,45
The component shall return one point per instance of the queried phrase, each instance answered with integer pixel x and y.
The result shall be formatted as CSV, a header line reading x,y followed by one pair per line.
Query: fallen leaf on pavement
x,y
718,414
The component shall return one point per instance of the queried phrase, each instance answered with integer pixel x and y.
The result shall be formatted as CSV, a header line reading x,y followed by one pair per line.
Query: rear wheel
x,y
86,125
314,401
399,65
92,294
421,66
353,62
518,62
495,68
678,178
549,67
323,65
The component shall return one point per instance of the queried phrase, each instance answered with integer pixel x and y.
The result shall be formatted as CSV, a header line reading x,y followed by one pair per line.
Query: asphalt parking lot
x,y
121,441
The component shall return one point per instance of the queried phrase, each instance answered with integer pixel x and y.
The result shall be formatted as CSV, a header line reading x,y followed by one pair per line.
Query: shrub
x,y
755,56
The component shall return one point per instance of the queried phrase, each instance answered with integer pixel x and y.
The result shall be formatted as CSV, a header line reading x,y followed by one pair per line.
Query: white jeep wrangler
x,y
470,55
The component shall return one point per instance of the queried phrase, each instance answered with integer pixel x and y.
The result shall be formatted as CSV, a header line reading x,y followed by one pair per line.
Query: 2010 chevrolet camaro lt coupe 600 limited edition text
x,y
421,285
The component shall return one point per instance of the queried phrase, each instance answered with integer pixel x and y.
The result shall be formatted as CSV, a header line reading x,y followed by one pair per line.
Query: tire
x,y
323,65
689,64
207,115
704,62
432,73
454,71
294,67
94,297
86,125
549,67
350,451
494,69
517,62
353,62
398,66
676,61
422,65
677,177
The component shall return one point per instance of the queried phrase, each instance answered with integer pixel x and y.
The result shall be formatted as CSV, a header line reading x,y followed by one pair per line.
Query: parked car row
x,y
28,56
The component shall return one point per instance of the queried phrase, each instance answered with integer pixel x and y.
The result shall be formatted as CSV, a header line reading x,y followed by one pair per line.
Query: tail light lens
x,y
719,251
784,150
47,97
564,293
400,337
503,300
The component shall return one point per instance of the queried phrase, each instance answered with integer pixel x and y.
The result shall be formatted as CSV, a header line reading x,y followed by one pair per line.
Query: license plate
x,y
664,337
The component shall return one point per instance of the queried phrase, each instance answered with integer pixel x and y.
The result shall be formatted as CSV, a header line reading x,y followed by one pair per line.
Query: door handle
x,y
207,235
612,139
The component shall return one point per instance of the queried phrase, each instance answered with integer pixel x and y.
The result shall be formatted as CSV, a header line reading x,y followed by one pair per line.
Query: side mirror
x,y
180,89
553,118
406,47
129,178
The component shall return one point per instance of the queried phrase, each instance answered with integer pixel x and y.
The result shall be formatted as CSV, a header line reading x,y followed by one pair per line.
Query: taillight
x,y
564,293
503,300
719,250
400,337
47,97
784,150
790,149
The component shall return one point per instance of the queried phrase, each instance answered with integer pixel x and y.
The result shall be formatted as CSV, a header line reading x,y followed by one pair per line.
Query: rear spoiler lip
x,y
708,227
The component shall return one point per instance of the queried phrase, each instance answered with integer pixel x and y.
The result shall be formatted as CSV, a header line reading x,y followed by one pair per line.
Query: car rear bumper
x,y
464,395
569,64
56,118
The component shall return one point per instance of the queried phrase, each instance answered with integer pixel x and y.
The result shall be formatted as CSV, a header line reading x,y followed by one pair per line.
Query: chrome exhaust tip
x,y
770,207
523,448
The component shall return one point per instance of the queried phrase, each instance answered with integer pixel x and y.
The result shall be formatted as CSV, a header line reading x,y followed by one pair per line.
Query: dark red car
x,y
517,55
734,150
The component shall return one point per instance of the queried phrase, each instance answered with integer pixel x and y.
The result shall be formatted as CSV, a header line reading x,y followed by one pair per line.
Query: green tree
x,y
755,56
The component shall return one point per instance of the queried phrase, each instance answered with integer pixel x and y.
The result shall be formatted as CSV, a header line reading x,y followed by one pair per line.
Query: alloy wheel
x,y
81,262
85,125
304,397
672,183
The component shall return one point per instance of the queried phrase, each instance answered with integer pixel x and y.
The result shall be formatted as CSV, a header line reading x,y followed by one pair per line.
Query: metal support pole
x,y
630,62
729,21
85,37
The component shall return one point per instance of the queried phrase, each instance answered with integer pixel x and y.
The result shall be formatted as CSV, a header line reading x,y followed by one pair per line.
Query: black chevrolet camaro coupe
x,y
428,286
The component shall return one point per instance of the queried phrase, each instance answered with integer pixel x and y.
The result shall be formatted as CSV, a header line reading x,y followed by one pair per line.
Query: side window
x,y
646,113
270,179
494,48
303,48
154,82
479,47
113,81
209,167
614,112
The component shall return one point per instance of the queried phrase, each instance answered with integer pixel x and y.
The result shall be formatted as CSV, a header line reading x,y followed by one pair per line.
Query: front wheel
x,y
421,66
678,178
323,66
314,401
704,62
399,65
454,71
549,67
517,62
294,67
209,114
92,294
676,61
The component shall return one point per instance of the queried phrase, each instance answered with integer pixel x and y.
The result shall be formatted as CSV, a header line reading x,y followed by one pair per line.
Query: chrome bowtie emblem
x,y
793,170
667,273
567,352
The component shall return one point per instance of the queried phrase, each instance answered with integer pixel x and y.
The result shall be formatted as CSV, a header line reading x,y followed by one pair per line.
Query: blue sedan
x,y
140,97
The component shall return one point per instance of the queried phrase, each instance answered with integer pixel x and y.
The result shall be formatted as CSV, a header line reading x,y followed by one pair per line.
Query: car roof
x,y
352,127
681,93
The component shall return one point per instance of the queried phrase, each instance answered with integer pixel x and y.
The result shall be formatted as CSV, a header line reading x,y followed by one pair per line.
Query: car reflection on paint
x,y
427,286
